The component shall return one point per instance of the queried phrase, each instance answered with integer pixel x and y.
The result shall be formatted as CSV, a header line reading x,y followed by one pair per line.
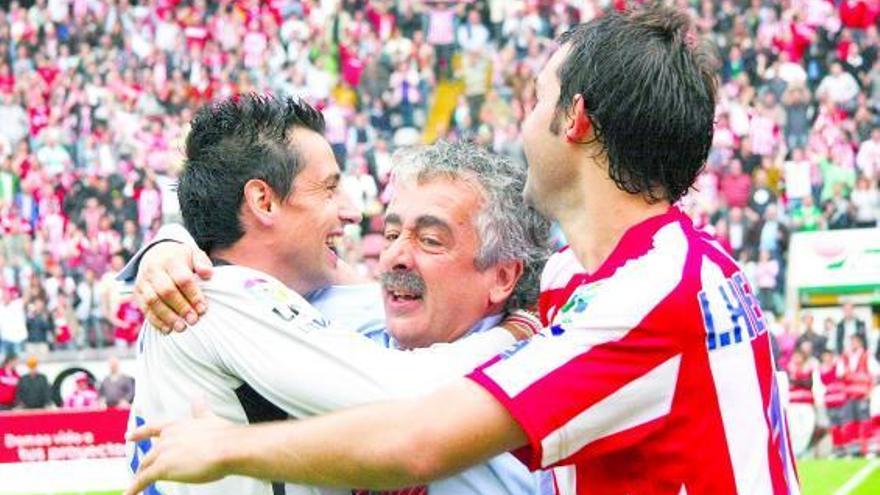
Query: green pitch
x,y
825,477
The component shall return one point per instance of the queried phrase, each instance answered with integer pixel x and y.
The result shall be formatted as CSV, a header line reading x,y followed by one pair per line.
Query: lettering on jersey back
x,y
518,346
730,313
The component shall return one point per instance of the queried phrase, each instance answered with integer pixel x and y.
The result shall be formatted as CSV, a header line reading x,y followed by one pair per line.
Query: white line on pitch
x,y
857,479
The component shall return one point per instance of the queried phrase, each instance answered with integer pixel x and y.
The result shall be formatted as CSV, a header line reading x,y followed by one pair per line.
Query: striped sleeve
x,y
575,400
604,375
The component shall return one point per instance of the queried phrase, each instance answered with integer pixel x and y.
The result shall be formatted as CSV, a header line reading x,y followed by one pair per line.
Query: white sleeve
x,y
291,356
169,232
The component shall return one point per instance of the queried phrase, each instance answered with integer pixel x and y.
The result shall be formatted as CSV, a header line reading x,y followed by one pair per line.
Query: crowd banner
x,y
62,435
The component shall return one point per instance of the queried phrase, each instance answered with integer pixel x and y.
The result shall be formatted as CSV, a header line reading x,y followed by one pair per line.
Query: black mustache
x,y
403,280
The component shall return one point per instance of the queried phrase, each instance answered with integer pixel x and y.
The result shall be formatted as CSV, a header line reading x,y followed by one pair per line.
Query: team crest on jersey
x,y
277,295
578,302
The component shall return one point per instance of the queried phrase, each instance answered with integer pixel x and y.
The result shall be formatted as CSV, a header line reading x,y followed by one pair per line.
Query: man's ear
x,y
578,126
260,201
507,275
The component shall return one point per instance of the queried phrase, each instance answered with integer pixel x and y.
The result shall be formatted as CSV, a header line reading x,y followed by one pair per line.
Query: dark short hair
x,y
231,142
649,89
9,357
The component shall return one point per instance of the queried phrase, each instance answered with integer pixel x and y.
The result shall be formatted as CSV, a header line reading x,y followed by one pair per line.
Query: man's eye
x,y
390,236
430,241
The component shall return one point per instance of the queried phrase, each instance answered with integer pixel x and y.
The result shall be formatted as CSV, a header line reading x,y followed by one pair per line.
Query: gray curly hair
x,y
507,228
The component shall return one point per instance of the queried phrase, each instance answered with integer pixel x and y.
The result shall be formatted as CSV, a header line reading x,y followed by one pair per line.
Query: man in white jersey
x,y
257,374
654,373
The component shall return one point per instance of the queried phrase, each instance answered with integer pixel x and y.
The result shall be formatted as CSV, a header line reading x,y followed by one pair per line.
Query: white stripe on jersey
x,y
616,305
642,400
641,284
539,357
739,395
566,480
557,272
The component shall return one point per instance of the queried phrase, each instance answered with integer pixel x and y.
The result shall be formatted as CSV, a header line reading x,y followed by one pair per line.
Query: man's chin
x,y
533,200
408,332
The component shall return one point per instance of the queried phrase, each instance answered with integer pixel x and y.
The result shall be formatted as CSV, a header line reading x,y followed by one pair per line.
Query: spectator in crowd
x,y
110,295
838,210
126,323
34,391
865,203
9,379
818,342
807,216
88,311
800,375
831,375
735,185
868,158
786,341
40,328
84,396
802,406
766,275
13,322
117,388
65,322
859,372
839,87
772,233
848,326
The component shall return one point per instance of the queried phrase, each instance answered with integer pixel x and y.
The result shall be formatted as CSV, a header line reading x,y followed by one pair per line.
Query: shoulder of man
x,y
258,294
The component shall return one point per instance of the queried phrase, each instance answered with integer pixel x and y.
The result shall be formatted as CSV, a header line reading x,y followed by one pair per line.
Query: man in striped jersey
x,y
654,373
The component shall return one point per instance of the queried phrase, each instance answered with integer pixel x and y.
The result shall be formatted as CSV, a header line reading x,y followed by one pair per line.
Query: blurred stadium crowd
x,y
95,97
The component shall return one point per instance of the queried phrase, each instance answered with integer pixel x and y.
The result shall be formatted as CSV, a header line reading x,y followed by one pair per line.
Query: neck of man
x,y
263,255
594,214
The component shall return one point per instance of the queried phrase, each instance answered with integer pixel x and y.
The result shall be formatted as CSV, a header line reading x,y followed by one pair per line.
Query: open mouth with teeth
x,y
333,242
402,295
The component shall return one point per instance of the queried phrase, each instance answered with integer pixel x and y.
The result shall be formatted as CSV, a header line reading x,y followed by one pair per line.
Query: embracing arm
x,y
433,437
165,273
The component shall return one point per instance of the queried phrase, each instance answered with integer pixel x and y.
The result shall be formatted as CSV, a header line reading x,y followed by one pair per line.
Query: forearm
x,y
342,453
392,444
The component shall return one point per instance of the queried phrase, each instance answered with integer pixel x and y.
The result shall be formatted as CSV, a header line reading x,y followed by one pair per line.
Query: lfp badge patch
x,y
276,295
576,304
285,303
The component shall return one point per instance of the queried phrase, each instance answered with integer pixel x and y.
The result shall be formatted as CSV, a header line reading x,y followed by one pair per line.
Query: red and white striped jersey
x,y
835,388
653,376
801,383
